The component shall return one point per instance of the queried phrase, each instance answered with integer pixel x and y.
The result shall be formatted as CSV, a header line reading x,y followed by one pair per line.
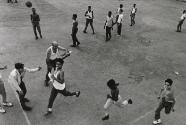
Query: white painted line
x,y
24,113
141,117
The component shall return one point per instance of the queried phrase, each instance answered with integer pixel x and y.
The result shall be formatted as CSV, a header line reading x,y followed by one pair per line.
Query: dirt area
x,y
141,59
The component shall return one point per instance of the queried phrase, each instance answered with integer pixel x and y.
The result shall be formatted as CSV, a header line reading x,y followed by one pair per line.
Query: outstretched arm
x,y
2,68
32,70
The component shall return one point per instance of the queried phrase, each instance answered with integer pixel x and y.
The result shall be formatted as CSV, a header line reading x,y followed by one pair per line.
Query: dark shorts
x,y
89,21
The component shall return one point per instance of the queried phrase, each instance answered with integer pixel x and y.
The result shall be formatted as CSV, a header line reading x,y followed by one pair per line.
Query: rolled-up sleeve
x,y
31,70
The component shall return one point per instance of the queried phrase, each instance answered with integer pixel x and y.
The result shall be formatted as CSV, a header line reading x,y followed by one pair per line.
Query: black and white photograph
x,y
92,62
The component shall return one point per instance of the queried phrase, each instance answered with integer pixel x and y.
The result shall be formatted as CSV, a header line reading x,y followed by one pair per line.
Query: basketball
x,y
28,4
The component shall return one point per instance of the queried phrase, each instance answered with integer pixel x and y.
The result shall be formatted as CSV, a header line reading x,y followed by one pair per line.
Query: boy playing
x,y
182,18
167,101
114,98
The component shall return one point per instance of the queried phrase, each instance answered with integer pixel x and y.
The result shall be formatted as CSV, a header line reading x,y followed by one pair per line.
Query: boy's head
x,y
134,5
89,8
121,5
168,83
74,16
59,63
109,13
33,10
19,67
184,11
112,84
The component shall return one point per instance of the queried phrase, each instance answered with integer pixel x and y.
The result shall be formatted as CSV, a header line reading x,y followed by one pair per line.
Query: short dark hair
x,y
121,5
112,84
33,9
134,4
109,13
19,65
60,61
169,81
74,16
89,7
184,11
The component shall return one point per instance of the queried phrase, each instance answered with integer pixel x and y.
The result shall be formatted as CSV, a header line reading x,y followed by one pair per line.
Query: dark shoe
x,y
178,31
73,45
36,38
26,100
130,101
77,93
48,113
41,36
84,31
78,43
106,117
93,33
26,108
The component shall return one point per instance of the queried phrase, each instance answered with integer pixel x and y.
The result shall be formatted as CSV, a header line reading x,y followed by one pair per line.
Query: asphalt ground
x,y
140,60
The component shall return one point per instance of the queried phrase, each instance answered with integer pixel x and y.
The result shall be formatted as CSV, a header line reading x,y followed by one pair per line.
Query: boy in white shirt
x,y
132,15
182,18
108,24
119,22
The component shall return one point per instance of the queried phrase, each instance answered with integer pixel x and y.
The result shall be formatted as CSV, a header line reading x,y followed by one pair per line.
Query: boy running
x,y
58,81
109,23
132,14
119,22
167,100
182,18
3,94
114,98
89,19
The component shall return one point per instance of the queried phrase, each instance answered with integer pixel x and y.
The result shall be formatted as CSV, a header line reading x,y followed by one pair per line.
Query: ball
x,y
28,4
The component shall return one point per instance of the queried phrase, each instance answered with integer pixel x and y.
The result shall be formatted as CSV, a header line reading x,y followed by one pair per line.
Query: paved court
x,y
141,59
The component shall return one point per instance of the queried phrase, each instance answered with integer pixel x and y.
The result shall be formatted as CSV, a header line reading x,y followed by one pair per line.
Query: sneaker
x,y
155,122
26,100
2,110
49,111
130,101
77,93
26,108
84,31
72,45
7,104
36,38
106,117
78,43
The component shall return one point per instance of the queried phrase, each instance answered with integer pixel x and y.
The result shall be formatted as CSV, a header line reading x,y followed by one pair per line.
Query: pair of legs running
x,y
179,25
37,27
120,103
53,95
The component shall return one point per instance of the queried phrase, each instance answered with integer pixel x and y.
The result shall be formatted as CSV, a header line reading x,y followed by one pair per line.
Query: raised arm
x,y
2,68
32,70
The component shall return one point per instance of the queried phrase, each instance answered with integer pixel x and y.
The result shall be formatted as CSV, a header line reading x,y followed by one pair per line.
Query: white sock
x,y
125,102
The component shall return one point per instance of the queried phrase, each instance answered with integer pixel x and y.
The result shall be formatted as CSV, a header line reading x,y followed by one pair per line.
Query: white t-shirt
x,y
133,10
109,21
56,84
120,18
183,16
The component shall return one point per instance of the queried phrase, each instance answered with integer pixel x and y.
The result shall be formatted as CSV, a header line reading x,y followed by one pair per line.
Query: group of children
x,y
55,61
166,96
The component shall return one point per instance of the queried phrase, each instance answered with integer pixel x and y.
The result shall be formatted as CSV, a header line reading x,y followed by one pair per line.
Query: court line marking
x,y
141,117
24,113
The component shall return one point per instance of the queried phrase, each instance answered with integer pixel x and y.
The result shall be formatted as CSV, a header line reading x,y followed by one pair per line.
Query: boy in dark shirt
x,y
114,98
35,22
74,31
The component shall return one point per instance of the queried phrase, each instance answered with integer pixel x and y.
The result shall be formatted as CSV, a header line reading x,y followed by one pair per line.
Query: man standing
x,y
182,18
89,19
109,23
74,31
16,79
167,101
52,55
58,82
132,14
119,22
35,22
3,94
